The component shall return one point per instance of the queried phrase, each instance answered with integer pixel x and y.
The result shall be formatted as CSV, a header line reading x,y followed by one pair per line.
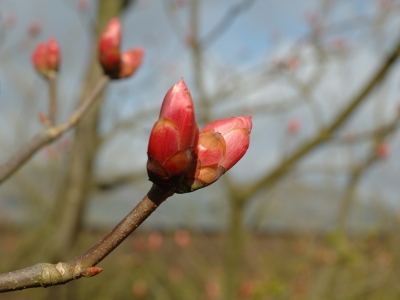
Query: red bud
x,y
109,45
221,145
115,64
173,138
91,271
34,28
130,61
46,58
383,150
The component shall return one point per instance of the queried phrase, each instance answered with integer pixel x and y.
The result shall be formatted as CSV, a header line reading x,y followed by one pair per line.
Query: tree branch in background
x,y
43,275
326,134
50,134
53,99
225,22
359,170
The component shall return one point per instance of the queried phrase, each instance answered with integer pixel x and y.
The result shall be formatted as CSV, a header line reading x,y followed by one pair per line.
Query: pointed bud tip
x,y
91,271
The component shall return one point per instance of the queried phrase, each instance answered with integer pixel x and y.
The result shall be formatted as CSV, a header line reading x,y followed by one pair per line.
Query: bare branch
x,y
43,275
50,134
326,134
52,98
225,22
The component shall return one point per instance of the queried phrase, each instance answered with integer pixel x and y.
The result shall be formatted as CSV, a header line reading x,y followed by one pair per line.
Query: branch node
x,y
77,272
60,268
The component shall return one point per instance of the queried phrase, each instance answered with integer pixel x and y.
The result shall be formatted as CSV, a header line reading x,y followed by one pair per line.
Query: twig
x,y
326,134
52,98
43,274
50,134
225,22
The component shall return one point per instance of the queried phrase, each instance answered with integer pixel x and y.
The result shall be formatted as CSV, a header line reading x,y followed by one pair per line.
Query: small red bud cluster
x,y
46,58
115,64
182,158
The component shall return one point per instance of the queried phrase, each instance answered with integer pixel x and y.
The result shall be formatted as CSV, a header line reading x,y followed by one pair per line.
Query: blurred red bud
x,y
155,241
91,271
383,150
130,61
10,20
83,5
182,238
115,64
46,58
34,28
109,45
221,145
173,138
294,126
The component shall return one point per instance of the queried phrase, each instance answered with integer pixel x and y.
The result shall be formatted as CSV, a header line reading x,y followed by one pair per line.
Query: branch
x,y
50,134
226,21
52,98
326,134
43,274
363,136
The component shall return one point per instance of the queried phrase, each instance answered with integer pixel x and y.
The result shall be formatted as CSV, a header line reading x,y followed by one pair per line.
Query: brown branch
x,y
326,134
43,274
50,134
364,136
226,22
52,98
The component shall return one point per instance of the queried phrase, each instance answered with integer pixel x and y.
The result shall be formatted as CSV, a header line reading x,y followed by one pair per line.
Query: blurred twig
x,y
326,133
50,134
43,275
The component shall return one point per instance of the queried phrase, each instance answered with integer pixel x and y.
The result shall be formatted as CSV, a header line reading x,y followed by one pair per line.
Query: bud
x,y
109,45
221,145
294,126
173,138
115,64
34,28
46,58
91,271
383,150
130,61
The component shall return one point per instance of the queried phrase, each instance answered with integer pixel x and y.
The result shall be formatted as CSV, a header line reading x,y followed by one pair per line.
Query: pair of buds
x,y
116,65
181,157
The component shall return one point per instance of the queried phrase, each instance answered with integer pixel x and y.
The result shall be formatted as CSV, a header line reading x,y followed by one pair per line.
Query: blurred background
x,y
312,211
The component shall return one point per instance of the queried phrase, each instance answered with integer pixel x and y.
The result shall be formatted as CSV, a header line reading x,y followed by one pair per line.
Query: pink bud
x,y
294,126
109,45
91,271
182,238
130,61
155,241
34,28
383,150
221,145
10,20
46,58
292,63
83,5
173,138
115,64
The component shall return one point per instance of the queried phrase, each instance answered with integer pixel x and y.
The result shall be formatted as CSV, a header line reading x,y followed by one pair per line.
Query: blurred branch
x,y
225,22
326,134
356,175
363,136
43,275
118,181
50,134
53,99
128,123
